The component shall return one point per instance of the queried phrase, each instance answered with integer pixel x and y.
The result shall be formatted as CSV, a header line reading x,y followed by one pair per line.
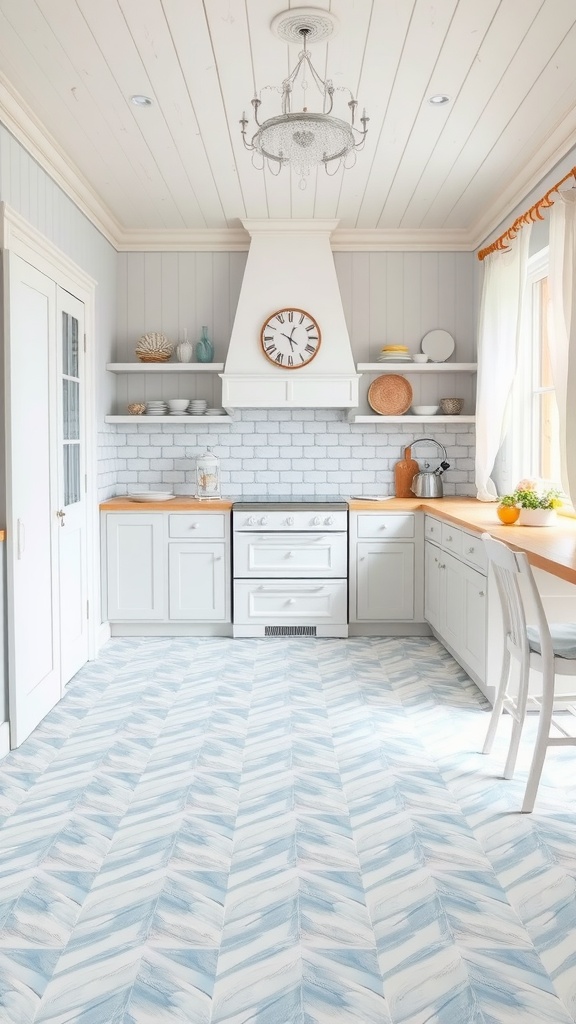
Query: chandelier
x,y
304,139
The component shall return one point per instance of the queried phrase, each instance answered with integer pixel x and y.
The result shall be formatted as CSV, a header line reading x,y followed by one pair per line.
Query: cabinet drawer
x,y
385,526
432,529
451,538
197,526
473,552
264,602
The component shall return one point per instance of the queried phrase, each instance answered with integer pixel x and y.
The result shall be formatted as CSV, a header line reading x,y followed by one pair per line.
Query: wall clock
x,y
290,338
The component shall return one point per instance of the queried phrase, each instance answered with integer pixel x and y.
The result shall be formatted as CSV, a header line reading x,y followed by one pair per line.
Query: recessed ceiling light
x,y
439,99
141,101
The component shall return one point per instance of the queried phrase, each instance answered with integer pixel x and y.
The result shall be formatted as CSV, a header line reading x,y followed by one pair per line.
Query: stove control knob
x,y
316,521
251,521
263,520
329,521
290,521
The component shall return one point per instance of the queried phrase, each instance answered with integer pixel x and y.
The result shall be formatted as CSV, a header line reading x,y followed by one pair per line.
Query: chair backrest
x,y
508,567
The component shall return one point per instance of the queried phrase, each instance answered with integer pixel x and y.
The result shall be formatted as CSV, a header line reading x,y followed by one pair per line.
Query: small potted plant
x,y
532,503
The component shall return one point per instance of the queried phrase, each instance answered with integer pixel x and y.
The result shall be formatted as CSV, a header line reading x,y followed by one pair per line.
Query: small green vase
x,y
204,348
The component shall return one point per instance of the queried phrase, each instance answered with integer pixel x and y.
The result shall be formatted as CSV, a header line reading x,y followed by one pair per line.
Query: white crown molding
x,y
345,240
405,239
22,123
561,140
184,240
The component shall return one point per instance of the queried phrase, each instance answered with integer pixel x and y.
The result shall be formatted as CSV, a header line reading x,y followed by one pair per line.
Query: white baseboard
x,y
389,629
4,739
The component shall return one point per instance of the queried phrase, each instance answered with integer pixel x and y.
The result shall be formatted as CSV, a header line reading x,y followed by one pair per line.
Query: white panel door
x,y
384,581
432,584
135,566
31,431
474,620
72,511
197,582
452,601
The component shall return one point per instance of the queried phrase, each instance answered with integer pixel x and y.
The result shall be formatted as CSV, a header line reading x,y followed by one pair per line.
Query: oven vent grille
x,y
290,631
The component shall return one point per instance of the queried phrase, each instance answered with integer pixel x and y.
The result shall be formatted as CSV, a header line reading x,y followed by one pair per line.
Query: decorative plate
x,y
438,345
152,496
390,395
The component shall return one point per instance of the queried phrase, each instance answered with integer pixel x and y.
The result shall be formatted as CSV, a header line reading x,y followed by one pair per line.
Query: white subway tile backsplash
x,y
277,452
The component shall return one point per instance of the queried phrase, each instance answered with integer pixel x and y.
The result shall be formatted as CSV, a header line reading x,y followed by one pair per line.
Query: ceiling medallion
x,y
304,139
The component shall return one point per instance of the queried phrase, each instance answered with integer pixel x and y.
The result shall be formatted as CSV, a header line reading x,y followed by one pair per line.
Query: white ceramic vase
x,y
537,517
184,351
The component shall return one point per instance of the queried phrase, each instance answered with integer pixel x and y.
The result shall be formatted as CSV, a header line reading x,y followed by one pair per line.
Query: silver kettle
x,y
428,482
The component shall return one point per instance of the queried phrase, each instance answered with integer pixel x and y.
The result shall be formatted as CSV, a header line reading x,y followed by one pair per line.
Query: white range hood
x,y
290,265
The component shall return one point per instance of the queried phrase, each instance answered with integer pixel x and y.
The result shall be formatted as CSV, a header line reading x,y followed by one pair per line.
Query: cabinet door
x,y
432,580
135,564
474,620
384,581
451,601
197,582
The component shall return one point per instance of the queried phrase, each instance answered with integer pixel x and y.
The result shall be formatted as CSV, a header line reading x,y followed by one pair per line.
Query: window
x,y
532,445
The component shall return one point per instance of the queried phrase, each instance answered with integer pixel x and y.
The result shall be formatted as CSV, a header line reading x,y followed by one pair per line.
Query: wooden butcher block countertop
x,y
552,548
180,504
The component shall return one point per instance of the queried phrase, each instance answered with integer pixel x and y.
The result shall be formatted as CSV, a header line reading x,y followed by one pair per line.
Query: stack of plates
x,y
198,406
394,354
215,412
156,408
151,496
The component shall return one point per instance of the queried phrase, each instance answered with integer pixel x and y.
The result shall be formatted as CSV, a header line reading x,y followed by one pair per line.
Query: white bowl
x,y
420,357
425,410
178,404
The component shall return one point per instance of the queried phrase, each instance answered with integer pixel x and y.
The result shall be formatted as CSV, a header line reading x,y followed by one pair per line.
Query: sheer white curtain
x,y
562,327
498,334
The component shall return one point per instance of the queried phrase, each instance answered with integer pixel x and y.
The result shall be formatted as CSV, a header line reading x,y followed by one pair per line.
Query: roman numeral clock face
x,y
290,338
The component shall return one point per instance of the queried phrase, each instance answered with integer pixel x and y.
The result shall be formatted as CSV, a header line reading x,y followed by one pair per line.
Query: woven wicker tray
x,y
390,395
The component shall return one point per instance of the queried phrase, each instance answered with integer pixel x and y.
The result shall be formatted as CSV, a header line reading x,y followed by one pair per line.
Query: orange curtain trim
x,y
501,243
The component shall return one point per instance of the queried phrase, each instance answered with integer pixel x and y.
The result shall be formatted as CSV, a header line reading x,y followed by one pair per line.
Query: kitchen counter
x,y
180,504
552,548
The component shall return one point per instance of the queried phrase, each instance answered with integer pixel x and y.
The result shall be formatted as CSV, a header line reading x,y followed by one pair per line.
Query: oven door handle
x,y
288,589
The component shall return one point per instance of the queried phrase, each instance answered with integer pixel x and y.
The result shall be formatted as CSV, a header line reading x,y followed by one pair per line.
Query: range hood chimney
x,y
290,266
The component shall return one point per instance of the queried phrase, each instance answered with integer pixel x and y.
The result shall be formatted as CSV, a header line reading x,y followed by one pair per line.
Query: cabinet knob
x,y
290,521
442,565
194,526
449,537
263,520
481,593
289,554
251,521
329,521
316,521
383,527
471,551
292,600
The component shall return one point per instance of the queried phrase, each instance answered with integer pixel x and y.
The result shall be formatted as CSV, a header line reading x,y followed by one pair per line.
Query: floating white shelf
x,y
165,367
376,418
167,419
417,367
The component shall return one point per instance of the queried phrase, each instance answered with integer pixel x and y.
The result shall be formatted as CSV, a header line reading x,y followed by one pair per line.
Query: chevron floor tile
x,y
215,831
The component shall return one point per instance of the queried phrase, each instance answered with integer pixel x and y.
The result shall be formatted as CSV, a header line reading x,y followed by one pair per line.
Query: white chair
x,y
547,648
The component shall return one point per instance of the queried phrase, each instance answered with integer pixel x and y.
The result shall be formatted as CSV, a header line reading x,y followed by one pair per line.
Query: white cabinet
x,y
384,581
455,593
385,569
135,566
165,573
197,581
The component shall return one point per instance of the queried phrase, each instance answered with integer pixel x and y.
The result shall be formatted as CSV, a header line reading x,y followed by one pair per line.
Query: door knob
x,y
61,515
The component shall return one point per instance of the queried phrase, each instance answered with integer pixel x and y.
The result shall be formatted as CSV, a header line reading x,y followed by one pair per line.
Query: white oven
x,y
290,568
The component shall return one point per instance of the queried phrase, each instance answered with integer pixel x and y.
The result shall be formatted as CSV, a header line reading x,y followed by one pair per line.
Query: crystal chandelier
x,y
305,139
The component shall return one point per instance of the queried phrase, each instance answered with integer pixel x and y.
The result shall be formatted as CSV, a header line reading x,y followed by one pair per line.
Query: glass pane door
x,y
71,461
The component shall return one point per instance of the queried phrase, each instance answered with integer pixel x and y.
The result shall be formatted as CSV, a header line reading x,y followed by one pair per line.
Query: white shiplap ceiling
x,y
69,67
